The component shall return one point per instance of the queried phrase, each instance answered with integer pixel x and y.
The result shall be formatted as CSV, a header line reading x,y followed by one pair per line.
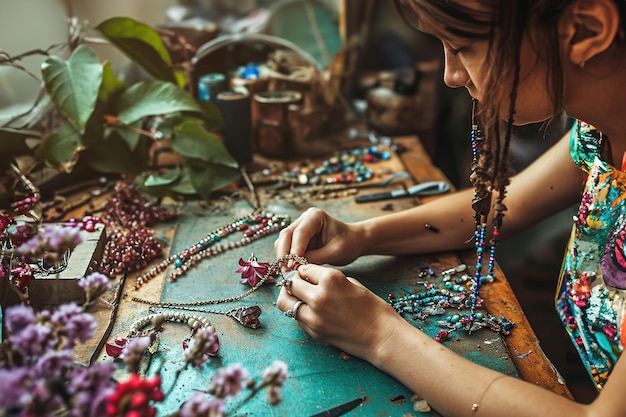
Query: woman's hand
x,y
340,311
321,239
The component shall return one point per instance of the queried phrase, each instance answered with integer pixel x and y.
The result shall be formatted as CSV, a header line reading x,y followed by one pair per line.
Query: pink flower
x,y
22,276
253,271
203,344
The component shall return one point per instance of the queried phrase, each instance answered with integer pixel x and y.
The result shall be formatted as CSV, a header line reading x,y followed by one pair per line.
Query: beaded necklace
x,y
480,204
347,166
137,329
433,300
254,226
246,316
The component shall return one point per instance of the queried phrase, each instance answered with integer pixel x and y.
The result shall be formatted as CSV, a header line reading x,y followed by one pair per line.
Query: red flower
x,y
132,397
253,271
115,349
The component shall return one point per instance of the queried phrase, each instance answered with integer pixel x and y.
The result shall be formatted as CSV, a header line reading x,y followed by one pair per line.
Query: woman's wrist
x,y
365,231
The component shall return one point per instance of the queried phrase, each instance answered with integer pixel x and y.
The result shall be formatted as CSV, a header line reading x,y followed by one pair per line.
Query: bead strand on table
x,y
272,269
267,223
194,322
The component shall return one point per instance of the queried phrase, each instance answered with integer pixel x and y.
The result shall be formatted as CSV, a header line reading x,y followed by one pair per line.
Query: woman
x,y
523,61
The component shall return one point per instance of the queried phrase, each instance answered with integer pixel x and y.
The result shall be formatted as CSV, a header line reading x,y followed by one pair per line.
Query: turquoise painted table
x,y
321,376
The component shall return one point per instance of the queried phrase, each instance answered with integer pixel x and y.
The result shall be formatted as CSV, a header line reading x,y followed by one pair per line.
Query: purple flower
x,y
276,374
199,405
18,317
43,401
53,238
203,344
33,246
89,388
15,386
33,340
77,324
274,377
60,238
52,364
94,284
133,352
228,381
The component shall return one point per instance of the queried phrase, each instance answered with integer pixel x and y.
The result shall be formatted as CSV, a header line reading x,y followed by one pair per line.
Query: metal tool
x,y
419,190
328,188
341,409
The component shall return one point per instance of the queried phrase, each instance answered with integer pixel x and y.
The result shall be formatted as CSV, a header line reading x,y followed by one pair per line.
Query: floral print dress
x,y
591,293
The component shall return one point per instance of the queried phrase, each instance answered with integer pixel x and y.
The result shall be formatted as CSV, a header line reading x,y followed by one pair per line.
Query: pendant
x,y
247,316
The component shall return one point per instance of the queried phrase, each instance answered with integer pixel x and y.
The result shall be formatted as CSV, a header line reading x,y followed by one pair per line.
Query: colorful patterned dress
x,y
591,293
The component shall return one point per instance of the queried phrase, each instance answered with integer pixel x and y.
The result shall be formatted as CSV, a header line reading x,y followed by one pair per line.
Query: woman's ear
x,y
588,28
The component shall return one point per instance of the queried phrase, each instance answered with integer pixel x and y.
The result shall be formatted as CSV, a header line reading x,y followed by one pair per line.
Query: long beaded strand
x,y
482,211
266,222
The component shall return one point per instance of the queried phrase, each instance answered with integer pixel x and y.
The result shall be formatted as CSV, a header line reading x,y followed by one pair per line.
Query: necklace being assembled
x,y
253,226
246,316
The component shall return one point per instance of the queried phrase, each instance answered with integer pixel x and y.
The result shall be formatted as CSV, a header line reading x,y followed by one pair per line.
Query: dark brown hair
x,y
503,23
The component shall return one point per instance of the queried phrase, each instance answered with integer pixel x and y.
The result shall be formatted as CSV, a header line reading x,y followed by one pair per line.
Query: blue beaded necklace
x,y
481,214
464,295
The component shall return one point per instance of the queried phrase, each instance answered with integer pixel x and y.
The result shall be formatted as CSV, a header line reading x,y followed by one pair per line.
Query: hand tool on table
x,y
419,190
341,409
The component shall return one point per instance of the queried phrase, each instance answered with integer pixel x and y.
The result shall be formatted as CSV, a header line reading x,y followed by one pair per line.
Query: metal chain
x,y
272,268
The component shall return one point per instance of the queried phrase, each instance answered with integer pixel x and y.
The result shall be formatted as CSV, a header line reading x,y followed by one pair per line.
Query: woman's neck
x,y
600,100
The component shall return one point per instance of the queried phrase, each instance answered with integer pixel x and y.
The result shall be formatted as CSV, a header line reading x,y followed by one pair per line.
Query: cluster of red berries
x,y
132,398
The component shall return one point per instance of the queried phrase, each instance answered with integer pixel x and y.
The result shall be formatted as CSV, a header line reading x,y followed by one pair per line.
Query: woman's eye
x,y
456,51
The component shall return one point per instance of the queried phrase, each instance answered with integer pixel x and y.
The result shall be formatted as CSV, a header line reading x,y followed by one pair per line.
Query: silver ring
x,y
292,313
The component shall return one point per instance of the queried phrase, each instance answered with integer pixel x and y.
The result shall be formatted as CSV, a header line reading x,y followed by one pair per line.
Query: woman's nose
x,y
454,74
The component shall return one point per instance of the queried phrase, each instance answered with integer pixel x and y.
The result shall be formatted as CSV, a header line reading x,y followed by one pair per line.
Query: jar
x,y
274,133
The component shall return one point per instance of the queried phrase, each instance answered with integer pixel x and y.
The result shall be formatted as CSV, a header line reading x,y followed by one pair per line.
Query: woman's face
x,y
466,66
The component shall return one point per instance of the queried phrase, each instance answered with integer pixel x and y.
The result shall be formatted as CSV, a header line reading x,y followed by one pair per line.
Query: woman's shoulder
x,y
585,144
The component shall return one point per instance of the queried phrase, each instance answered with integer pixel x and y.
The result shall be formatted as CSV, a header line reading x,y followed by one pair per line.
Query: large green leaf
x,y
131,137
152,98
73,85
111,86
212,115
61,149
142,44
190,139
184,186
167,178
206,177
181,185
112,155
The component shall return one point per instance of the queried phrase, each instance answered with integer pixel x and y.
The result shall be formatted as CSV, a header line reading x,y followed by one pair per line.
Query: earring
x,y
582,65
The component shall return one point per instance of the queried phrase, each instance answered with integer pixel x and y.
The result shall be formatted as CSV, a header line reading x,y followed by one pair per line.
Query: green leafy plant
x,y
113,127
